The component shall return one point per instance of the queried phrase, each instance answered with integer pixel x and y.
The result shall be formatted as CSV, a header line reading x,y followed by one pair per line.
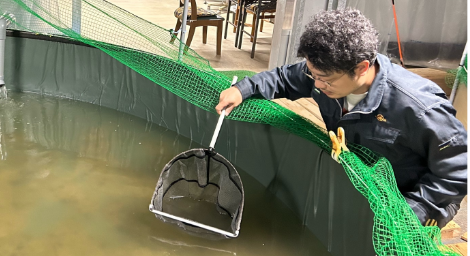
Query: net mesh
x,y
150,51
195,185
396,228
460,74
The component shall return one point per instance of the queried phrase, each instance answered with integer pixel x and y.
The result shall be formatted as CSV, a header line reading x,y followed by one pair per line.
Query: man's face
x,y
336,85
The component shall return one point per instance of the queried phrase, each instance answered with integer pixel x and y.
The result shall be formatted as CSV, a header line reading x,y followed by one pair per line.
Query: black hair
x,y
336,41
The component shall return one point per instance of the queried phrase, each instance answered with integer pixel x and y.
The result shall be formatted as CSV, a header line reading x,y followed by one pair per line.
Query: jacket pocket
x,y
383,134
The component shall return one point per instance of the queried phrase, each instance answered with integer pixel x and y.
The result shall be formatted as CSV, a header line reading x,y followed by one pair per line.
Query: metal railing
x,y
3,36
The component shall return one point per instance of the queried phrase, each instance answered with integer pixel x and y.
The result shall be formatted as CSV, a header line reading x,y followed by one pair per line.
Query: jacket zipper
x,y
341,111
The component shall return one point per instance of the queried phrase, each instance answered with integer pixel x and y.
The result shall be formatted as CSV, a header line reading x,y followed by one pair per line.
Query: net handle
x,y
219,123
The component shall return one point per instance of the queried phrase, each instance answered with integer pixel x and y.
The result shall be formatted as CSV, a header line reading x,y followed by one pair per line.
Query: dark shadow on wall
x,y
14,45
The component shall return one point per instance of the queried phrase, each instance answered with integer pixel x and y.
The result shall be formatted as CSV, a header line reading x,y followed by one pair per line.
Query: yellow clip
x,y
381,118
339,143
431,222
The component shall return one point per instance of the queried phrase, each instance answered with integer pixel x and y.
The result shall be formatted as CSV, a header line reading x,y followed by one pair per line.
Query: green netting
x,y
458,73
396,229
151,51
239,73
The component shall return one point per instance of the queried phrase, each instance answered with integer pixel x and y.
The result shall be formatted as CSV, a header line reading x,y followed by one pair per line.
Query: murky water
x,y
3,92
77,179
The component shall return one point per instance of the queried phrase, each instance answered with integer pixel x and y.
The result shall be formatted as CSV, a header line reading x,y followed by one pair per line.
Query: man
x,y
380,105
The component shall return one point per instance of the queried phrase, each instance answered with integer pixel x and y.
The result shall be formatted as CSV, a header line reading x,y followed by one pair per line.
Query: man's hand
x,y
229,99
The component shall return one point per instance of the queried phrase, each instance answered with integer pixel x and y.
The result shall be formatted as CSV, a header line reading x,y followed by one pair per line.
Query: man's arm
x,y
283,82
443,140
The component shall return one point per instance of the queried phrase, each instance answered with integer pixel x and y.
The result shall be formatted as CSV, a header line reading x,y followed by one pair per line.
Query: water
x,y
202,211
77,179
3,92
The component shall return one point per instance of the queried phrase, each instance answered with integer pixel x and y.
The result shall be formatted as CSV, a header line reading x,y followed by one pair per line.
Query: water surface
x,y
77,179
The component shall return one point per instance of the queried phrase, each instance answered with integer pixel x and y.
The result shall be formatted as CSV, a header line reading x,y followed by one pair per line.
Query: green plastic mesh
x,y
460,74
239,73
151,51
396,231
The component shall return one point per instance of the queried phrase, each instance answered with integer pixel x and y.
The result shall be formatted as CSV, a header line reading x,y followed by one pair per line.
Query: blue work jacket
x,y
404,117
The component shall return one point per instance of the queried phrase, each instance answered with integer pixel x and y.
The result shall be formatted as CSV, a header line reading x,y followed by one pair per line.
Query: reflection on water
x,y
77,179
3,92
8,109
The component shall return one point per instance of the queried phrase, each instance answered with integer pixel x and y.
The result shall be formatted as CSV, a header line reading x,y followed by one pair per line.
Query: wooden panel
x,y
464,236
451,230
460,104
312,108
437,76
460,248
305,108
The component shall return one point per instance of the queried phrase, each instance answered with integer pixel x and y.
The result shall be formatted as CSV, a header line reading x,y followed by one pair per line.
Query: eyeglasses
x,y
305,70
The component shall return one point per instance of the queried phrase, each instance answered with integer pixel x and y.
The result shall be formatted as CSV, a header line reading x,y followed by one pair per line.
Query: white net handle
x,y
221,119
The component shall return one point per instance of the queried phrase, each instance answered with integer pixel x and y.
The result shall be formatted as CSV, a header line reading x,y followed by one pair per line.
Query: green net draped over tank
x,y
459,74
149,50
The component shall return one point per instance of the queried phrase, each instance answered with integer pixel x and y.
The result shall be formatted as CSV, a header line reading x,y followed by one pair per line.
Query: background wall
x,y
433,33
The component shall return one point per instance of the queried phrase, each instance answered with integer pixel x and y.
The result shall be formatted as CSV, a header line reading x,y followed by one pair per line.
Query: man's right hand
x,y
229,99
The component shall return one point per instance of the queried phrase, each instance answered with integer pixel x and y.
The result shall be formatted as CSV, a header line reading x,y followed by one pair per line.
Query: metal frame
x,y
183,29
336,4
77,16
194,223
456,81
260,16
3,37
281,37
227,19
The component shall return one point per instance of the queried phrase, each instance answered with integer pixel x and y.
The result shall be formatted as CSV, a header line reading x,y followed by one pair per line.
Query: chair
x,y
271,10
237,15
222,4
198,17
234,22
261,10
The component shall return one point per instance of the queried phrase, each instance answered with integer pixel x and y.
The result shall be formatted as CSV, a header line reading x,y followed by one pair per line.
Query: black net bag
x,y
200,191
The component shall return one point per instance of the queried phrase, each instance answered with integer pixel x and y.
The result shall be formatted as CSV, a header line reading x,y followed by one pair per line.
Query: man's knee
x,y
428,219
451,210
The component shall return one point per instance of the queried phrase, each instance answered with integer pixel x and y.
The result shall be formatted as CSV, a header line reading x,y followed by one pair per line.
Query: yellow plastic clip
x,y
431,222
339,143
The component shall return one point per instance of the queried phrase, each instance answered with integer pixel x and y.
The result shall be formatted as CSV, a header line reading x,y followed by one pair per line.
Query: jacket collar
x,y
376,91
